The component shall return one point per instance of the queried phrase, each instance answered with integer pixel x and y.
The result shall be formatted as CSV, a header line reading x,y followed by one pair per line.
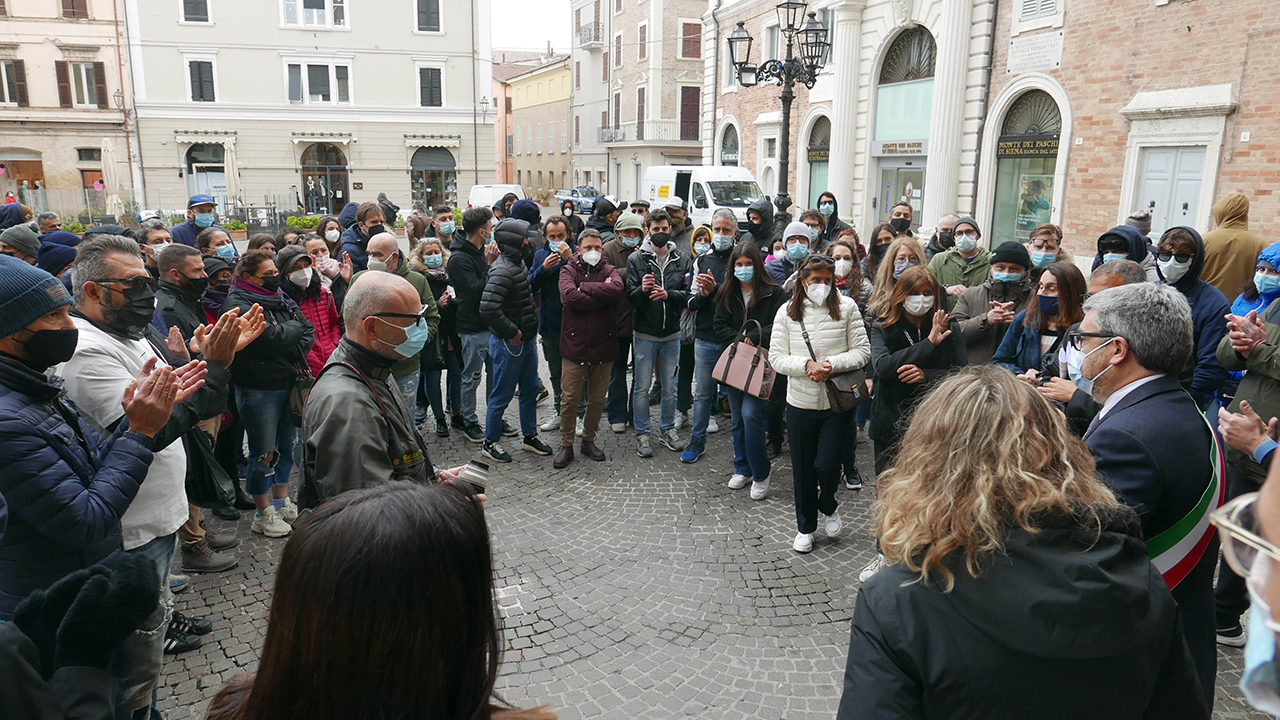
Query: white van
x,y
487,195
704,188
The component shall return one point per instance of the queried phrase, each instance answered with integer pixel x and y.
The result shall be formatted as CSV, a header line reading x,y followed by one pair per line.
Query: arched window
x,y
911,57
729,146
324,179
1034,113
1026,158
819,152
904,105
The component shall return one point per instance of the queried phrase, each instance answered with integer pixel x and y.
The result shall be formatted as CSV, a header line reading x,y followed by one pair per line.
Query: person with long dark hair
x,y
817,334
383,607
1030,347
881,236
851,283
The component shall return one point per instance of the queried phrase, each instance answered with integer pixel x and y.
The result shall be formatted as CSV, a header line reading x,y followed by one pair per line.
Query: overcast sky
x,y
529,24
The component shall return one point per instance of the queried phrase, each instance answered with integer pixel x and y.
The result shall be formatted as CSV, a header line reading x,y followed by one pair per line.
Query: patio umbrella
x,y
111,179
232,172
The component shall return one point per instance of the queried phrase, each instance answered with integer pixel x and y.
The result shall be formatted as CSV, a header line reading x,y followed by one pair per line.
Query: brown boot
x,y
202,558
590,450
563,458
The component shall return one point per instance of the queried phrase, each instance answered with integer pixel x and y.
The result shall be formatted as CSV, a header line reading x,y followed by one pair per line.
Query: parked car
x,y
487,195
704,188
584,198
563,194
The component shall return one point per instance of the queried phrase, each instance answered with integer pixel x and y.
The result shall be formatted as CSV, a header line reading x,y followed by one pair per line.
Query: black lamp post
x,y
811,37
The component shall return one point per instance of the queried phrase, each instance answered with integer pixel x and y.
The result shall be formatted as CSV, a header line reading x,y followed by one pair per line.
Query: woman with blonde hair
x,y
903,253
431,258
1018,585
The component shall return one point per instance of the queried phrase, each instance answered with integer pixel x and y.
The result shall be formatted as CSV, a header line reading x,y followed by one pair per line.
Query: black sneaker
x,y
536,446
178,642
473,432
543,394
458,421
508,431
190,626
419,415
442,428
853,481
494,452
1231,636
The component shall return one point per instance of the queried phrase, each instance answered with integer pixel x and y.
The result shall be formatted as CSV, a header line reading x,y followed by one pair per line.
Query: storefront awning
x,y
432,158
432,140
329,137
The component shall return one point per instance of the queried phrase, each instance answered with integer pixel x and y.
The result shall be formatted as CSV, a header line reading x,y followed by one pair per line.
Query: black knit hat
x,y
1012,252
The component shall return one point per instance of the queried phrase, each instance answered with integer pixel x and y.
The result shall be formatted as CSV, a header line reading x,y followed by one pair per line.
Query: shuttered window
x,y
195,11
577,129
605,70
431,89
1038,8
617,50
690,40
13,83
428,15
690,110
75,9
642,47
577,74
201,72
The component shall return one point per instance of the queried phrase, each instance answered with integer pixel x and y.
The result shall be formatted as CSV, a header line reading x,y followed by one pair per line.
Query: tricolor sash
x,y
1177,550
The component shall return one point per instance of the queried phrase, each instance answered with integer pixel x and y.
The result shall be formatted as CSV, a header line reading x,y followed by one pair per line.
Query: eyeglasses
x,y
134,282
1181,258
966,233
1074,338
416,317
1241,537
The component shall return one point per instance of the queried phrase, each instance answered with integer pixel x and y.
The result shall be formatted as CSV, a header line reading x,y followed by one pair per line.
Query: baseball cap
x,y
200,200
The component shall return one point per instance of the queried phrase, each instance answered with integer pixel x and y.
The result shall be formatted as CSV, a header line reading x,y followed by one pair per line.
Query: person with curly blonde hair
x,y
1018,585
903,253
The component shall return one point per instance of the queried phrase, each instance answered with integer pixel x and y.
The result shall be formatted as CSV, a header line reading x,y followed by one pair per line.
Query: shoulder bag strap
x,y
805,333
377,398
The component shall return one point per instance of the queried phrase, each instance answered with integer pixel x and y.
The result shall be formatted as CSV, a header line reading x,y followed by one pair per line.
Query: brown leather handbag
x,y
746,367
846,390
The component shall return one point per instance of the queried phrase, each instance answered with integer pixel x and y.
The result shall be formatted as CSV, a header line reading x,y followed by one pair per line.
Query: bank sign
x,y
1030,146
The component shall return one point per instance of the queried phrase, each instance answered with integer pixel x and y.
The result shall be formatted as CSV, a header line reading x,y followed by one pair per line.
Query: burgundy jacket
x,y
589,325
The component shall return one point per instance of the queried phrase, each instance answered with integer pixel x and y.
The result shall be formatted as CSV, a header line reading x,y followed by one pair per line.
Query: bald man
x,y
358,429
386,256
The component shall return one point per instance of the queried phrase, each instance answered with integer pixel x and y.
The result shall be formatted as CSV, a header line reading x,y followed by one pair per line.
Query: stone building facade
x,y
540,118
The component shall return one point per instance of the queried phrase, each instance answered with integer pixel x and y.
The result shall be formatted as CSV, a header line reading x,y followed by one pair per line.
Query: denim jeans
x,y
817,438
664,356
408,385
750,458
265,417
431,387
136,662
705,355
475,356
513,366
617,406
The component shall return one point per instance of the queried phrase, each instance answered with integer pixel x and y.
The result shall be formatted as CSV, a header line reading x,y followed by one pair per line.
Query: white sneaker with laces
x,y
834,524
289,512
682,419
552,424
803,542
618,427
759,489
713,426
578,430
737,482
270,523
872,568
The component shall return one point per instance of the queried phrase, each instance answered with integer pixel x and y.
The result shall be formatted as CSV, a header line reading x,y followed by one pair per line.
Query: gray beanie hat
x,y
966,220
27,293
22,238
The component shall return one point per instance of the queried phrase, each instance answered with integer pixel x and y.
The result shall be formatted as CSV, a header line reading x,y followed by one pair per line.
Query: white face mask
x,y
817,292
332,235
843,267
301,278
592,257
377,265
1173,270
918,305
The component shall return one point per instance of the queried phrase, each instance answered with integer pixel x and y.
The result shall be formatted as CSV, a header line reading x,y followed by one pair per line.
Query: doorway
x,y
206,172
324,179
1169,185
902,181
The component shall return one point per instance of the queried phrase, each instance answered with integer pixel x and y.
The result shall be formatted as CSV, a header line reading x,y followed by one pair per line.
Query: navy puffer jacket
x,y
507,303
66,487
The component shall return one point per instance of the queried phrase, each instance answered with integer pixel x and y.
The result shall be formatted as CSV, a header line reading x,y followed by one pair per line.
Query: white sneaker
x,y
578,430
871,569
618,427
834,524
737,482
289,512
682,419
803,542
759,489
270,524
712,426
552,424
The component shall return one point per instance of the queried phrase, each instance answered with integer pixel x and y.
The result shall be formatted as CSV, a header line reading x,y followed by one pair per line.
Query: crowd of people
x,y
1051,451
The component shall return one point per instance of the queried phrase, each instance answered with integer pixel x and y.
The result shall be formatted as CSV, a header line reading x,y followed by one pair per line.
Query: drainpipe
x,y
986,103
135,171
715,82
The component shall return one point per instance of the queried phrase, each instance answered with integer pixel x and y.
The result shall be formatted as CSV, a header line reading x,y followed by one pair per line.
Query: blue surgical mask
x,y
1076,369
433,261
1112,257
1006,277
966,243
629,241
1260,682
1042,258
227,252
1266,284
900,266
553,246
701,248
415,338
797,251
813,234
826,209
744,274
721,242
204,220
448,227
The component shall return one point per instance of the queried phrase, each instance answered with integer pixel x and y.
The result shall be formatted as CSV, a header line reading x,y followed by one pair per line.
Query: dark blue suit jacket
x,y
1153,449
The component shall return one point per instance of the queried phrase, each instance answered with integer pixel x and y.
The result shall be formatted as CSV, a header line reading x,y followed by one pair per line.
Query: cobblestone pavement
x,y
632,588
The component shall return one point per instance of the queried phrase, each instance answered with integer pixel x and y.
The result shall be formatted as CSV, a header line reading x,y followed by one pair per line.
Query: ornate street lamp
x,y
811,40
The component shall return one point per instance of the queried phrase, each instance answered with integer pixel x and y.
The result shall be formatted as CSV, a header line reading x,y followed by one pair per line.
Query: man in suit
x,y
1152,445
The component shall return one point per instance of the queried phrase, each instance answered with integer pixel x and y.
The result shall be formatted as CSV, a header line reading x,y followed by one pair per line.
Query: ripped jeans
x,y
265,416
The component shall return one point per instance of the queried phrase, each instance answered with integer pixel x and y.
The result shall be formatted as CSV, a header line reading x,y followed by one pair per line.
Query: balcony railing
x,y
652,131
590,34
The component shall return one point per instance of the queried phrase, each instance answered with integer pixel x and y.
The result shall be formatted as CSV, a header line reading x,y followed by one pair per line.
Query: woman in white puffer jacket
x,y
816,433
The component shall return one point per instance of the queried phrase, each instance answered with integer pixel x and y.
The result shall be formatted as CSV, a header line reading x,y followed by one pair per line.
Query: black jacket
x,y
904,344
467,272
729,320
714,262
507,303
658,318
602,226
79,692
271,361
180,306
831,231
1067,623
762,234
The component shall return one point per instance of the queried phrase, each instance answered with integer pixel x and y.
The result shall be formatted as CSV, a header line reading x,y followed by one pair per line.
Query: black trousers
x,y
777,407
884,455
817,451
1230,596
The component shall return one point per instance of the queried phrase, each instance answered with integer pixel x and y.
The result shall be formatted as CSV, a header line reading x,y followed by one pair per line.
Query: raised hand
x,y
149,399
176,347
188,379
1000,313
941,329
219,343
346,269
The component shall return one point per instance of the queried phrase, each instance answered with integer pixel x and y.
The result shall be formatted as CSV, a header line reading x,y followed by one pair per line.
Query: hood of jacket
x,y
764,207
1192,276
1061,593
1232,211
511,234
347,217
1271,254
1134,239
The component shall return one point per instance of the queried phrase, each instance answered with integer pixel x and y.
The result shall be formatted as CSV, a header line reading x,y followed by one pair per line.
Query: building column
x,y
946,123
846,38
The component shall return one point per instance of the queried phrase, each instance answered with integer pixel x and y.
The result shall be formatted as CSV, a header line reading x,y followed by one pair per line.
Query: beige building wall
x,y
540,115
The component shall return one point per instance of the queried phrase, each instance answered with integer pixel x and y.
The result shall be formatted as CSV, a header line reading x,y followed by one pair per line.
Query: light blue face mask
x,y
628,241
721,242
415,338
1041,258
448,227
433,261
1112,257
826,209
204,220
1260,682
744,274
797,251
1075,368
1266,284
813,234
701,248
227,252
553,246
1006,277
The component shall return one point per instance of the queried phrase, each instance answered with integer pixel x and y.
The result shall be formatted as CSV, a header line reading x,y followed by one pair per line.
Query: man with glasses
x,y
1152,445
384,317
964,265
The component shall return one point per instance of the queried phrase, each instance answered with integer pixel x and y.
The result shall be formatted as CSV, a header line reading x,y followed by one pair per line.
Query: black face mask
x,y
375,230
218,287
754,227
899,225
946,238
47,348
138,309
659,240
271,282
878,251
196,285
